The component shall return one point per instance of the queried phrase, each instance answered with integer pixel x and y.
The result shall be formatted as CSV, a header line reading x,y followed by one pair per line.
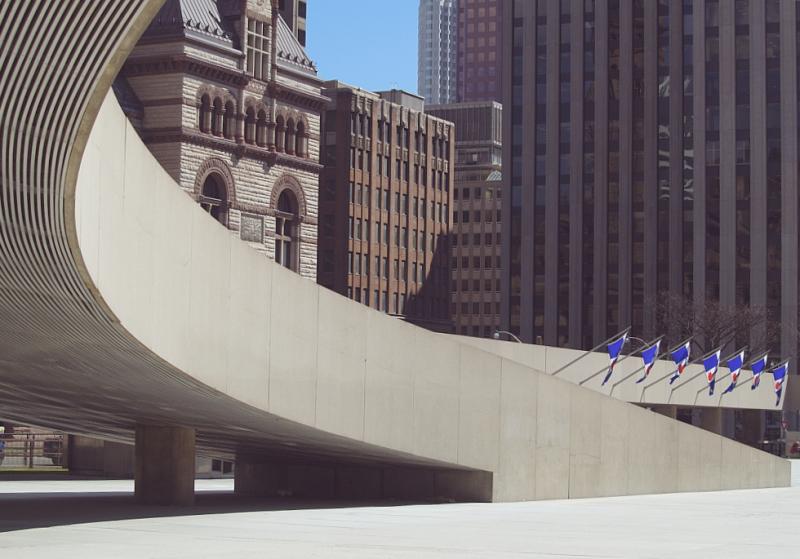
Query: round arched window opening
x,y
214,198
286,226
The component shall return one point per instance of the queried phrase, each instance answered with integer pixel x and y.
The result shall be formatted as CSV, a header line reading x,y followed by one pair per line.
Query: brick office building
x,y
385,208
475,233
228,101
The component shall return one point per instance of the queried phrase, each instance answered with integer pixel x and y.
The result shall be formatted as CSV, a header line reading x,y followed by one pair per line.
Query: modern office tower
x,y
293,13
385,203
436,70
651,147
480,47
202,87
475,235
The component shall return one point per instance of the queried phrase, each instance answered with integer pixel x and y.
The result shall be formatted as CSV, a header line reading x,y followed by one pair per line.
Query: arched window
x,y
286,225
250,126
216,123
214,198
289,137
229,120
205,113
279,133
299,141
261,128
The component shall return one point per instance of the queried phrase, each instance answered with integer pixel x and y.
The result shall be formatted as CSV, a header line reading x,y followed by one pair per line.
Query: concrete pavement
x,y
731,524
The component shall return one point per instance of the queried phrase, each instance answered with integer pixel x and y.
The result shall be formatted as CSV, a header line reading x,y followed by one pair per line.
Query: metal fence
x,y
32,450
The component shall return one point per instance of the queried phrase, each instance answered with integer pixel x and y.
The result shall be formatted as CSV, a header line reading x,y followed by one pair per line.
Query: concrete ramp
x,y
125,308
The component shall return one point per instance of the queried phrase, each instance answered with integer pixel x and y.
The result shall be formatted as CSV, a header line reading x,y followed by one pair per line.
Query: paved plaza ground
x,y
87,519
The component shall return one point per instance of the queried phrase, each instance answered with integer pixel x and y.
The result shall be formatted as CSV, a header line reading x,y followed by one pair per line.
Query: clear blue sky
x,y
371,44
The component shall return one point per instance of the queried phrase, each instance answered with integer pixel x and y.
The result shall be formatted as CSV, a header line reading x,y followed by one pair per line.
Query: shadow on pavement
x,y
22,511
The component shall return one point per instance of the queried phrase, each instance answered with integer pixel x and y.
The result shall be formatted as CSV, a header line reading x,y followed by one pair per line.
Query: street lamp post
x,y
497,334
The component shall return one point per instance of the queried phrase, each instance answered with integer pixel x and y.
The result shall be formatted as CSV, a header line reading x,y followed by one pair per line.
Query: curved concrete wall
x,y
232,319
165,318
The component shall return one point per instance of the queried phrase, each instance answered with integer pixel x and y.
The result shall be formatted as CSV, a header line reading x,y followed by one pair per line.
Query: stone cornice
x,y
297,96
184,64
239,150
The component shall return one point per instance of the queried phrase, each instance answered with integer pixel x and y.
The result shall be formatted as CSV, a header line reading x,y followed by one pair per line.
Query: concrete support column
x,y
165,465
711,420
751,427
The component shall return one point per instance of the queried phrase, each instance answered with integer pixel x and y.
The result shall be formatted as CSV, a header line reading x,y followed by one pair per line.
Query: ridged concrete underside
x,y
409,397
65,361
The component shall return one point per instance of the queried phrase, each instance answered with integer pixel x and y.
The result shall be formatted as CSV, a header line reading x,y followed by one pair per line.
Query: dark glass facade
x,y
653,148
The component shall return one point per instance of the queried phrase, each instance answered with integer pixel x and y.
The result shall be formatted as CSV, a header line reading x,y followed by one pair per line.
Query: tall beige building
x,y
226,98
477,198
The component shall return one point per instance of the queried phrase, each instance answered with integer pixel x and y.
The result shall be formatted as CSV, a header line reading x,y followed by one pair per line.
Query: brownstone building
x,y
475,234
480,39
385,203
224,95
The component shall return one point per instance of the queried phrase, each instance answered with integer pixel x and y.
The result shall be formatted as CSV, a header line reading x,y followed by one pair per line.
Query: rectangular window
x,y
258,48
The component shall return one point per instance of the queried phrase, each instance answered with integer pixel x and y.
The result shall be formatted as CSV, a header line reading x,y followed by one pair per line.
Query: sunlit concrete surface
x,y
122,486
730,524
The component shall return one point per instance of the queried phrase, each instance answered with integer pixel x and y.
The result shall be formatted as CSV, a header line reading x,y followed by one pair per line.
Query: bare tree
x,y
712,325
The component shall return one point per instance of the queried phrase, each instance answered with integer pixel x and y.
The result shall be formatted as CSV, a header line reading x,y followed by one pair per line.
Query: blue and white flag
x,y
614,350
779,377
649,356
711,364
758,367
680,356
735,364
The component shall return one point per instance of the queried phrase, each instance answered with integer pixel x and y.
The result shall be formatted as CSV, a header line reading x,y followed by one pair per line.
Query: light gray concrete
x,y
731,525
124,303
344,370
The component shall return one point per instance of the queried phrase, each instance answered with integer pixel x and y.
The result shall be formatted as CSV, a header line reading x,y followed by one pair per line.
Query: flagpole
x,y
761,355
726,360
752,362
784,382
640,351
644,346
734,354
697,361
597,347
669,352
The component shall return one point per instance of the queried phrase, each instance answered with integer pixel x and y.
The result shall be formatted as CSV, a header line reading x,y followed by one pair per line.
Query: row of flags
x,y
681,355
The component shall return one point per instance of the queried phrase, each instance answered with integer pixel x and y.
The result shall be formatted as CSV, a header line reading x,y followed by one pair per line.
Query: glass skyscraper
x,y
650,148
